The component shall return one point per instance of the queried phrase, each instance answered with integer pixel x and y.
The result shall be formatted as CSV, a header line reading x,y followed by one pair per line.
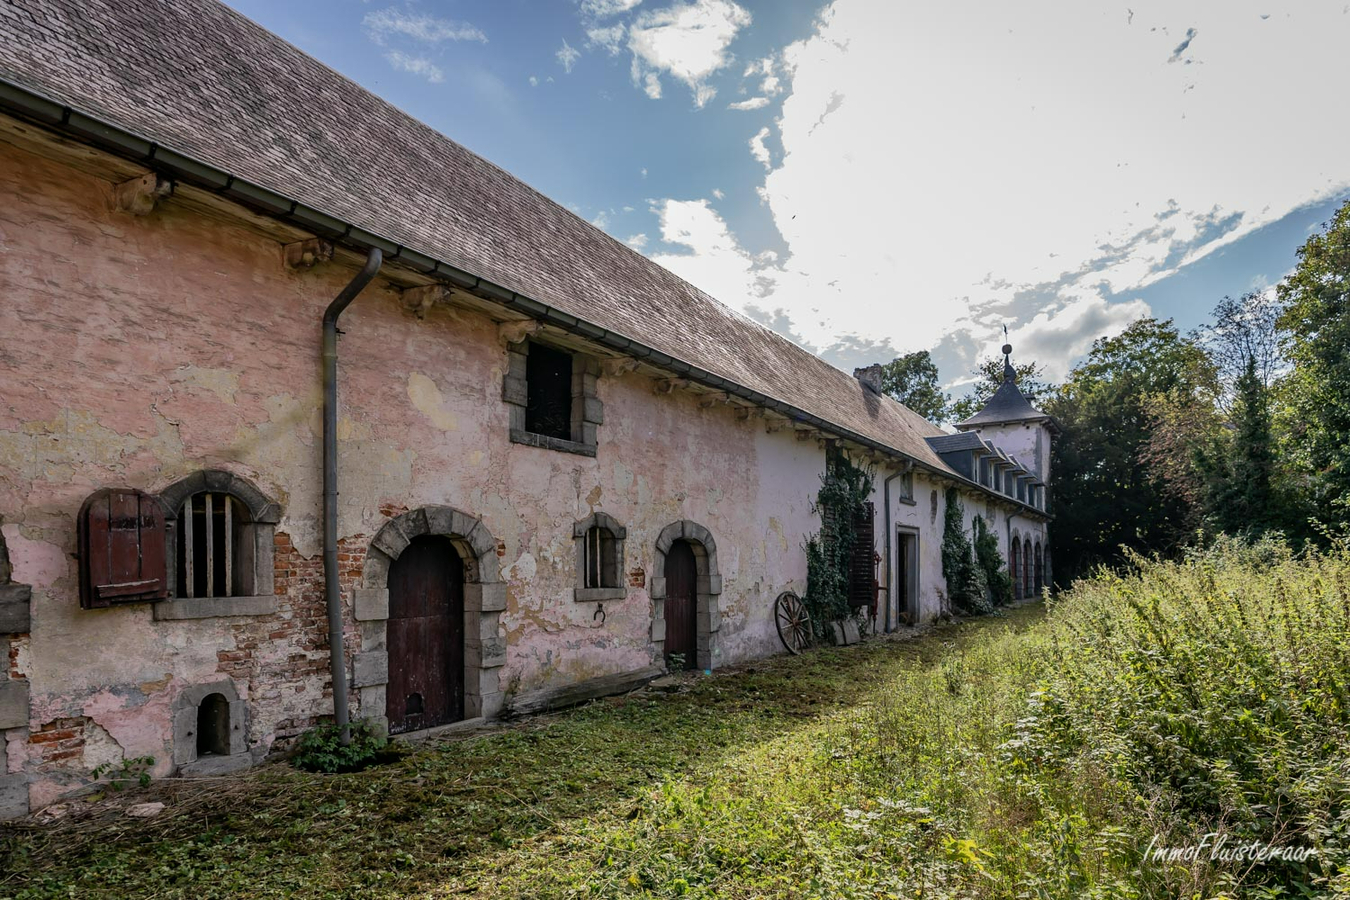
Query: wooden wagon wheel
x,y
793,621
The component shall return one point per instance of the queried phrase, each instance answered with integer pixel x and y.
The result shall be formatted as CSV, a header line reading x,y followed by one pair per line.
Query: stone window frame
x,y
581,593
185,718
588,412
484,602
905,493
15,619
264,513
708,588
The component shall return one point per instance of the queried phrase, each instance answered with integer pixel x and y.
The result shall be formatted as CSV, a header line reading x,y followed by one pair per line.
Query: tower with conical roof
x,y
1012,425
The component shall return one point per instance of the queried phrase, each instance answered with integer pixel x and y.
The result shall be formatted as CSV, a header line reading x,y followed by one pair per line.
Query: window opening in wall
x,y
907,486
213,726
548,393
602,570
213,555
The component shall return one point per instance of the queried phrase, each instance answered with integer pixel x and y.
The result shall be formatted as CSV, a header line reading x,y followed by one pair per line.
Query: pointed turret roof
x,y
1008,404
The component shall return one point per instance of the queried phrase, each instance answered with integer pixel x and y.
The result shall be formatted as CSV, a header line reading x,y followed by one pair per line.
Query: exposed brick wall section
x,y
17,643
57,741
288,652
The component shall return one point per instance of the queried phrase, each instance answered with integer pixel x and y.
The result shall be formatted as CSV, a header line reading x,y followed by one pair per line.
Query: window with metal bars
x,y
215,547
600,559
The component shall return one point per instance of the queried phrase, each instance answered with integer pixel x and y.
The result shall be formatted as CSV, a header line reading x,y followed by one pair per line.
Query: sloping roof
x,y
197,78
952,443
1008,404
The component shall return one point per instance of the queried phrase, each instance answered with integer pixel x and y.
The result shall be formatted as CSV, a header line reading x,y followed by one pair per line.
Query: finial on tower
x,y
1009,373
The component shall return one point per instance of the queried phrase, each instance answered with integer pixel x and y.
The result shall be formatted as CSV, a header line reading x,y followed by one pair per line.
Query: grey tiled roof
x,y
951,443
1007,405
200,79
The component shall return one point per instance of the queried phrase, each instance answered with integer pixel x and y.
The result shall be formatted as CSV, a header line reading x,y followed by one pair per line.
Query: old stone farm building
x,y
556,467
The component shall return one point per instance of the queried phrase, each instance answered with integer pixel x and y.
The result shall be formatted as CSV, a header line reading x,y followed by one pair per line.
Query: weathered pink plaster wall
x,y
135,351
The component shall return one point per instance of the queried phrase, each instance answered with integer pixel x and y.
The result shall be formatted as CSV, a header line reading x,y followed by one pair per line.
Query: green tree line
x,y
1240,427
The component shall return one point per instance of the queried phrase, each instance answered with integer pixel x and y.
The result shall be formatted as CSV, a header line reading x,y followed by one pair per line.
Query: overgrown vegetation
x,y
844,491
321,749
1006,757
967,587
991,565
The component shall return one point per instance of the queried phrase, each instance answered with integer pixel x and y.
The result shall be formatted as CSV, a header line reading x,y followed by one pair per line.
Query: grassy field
x,y
1019,755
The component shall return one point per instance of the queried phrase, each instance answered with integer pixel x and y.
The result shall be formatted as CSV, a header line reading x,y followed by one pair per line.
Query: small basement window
x,y
213,726
548,398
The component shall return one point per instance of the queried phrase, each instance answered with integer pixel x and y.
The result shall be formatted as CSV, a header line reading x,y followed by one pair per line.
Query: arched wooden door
x,y
1015,567
682,603
425,636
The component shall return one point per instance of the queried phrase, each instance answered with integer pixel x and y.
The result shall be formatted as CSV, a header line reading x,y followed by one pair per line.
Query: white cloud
x,y
644,171
717,193
637,241
382,24
715,257
752,103
758,149
689,41
568,56
1048,160
534,81
602,9
415,65
609,38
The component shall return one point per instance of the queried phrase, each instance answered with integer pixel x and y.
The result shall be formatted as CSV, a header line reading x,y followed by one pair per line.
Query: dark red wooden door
x,y
425,636
682,603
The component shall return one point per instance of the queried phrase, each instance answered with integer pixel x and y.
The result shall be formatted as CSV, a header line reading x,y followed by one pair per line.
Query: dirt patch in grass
x,y
543,806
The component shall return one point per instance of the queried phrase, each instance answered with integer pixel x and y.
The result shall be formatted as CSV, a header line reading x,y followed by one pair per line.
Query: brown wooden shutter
x,y
122,549
863,570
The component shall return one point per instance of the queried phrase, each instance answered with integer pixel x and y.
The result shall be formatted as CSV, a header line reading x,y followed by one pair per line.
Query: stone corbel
x,y
666,385
620,365
516,330
308,253
139,195
419,300
711,400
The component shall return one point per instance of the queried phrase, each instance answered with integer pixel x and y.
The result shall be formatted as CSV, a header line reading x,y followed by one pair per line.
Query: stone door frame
x,y
484,601
709,588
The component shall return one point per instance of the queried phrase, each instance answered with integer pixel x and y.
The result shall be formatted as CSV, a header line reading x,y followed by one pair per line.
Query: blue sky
x,y
871,177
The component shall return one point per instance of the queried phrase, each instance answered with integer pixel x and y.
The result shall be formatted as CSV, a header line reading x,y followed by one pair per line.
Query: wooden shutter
x,y
121,548
863,569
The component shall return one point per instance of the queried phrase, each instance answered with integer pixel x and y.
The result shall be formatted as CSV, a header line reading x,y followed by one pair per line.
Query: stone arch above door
x,y
484,601
709,588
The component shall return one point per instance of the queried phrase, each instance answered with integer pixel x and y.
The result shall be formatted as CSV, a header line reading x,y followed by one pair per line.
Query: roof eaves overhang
x,y
16,99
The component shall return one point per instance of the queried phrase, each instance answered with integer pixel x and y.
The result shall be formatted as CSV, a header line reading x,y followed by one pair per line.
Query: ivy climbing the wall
x,y
844,491
966,584
991,564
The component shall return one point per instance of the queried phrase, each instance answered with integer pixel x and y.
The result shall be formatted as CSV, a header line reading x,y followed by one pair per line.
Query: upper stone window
x,y
905,491
552,395
548,393
600,542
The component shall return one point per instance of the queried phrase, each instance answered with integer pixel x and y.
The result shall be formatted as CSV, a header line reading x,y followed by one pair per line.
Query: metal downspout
x,y
332,592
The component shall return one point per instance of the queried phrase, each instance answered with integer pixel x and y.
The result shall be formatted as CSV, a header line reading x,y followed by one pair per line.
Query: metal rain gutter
x,y
35,107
